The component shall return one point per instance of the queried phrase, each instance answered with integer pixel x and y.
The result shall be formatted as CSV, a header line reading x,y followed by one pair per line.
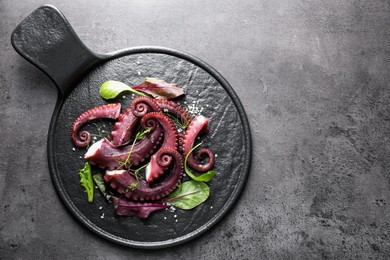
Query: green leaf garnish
x,y
206,177
189,195
98,178
86,180
112,89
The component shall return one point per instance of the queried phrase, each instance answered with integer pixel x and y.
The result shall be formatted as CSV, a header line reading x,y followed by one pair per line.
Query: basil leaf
x,y
189,195
86,180
112,89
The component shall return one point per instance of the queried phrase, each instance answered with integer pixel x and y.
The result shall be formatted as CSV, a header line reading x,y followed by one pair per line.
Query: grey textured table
x,y
314,78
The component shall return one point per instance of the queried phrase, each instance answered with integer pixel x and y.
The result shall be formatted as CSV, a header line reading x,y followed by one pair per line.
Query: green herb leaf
x,y
206,177
112,89
189,195
86,180
98,178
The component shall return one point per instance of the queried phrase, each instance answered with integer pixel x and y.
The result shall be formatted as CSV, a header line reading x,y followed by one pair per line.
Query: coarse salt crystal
x,y
74,149
123,96
100,207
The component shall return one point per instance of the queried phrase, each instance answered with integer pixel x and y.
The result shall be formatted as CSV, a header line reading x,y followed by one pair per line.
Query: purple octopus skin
x,y
107,156
127,123
110,111
122,180
176,110
198,125
170,140
142,210
170,135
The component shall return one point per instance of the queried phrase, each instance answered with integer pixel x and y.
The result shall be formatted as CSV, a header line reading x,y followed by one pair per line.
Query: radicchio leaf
x,y
159,89
127,208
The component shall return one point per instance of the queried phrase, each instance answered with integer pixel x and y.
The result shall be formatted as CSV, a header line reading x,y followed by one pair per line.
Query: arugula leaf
x,y
112,89
206,177
86,180
189,195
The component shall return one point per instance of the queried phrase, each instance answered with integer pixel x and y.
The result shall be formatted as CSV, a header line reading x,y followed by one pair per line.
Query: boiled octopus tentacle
x,y
110,111
105,155
122,181
170,135
170,140
176,110
198,125
126,125
142,105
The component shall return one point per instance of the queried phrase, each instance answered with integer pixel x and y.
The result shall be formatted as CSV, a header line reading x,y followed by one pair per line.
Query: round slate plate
x,y
229,139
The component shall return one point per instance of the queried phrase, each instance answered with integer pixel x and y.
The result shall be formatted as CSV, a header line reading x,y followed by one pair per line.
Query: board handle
x,y
46,39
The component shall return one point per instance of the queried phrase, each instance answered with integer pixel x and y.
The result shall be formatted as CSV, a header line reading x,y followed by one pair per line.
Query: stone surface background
x,y
314,80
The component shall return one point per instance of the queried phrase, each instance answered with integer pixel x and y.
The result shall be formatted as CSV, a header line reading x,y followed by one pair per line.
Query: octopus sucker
x,y
109,111
198,125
